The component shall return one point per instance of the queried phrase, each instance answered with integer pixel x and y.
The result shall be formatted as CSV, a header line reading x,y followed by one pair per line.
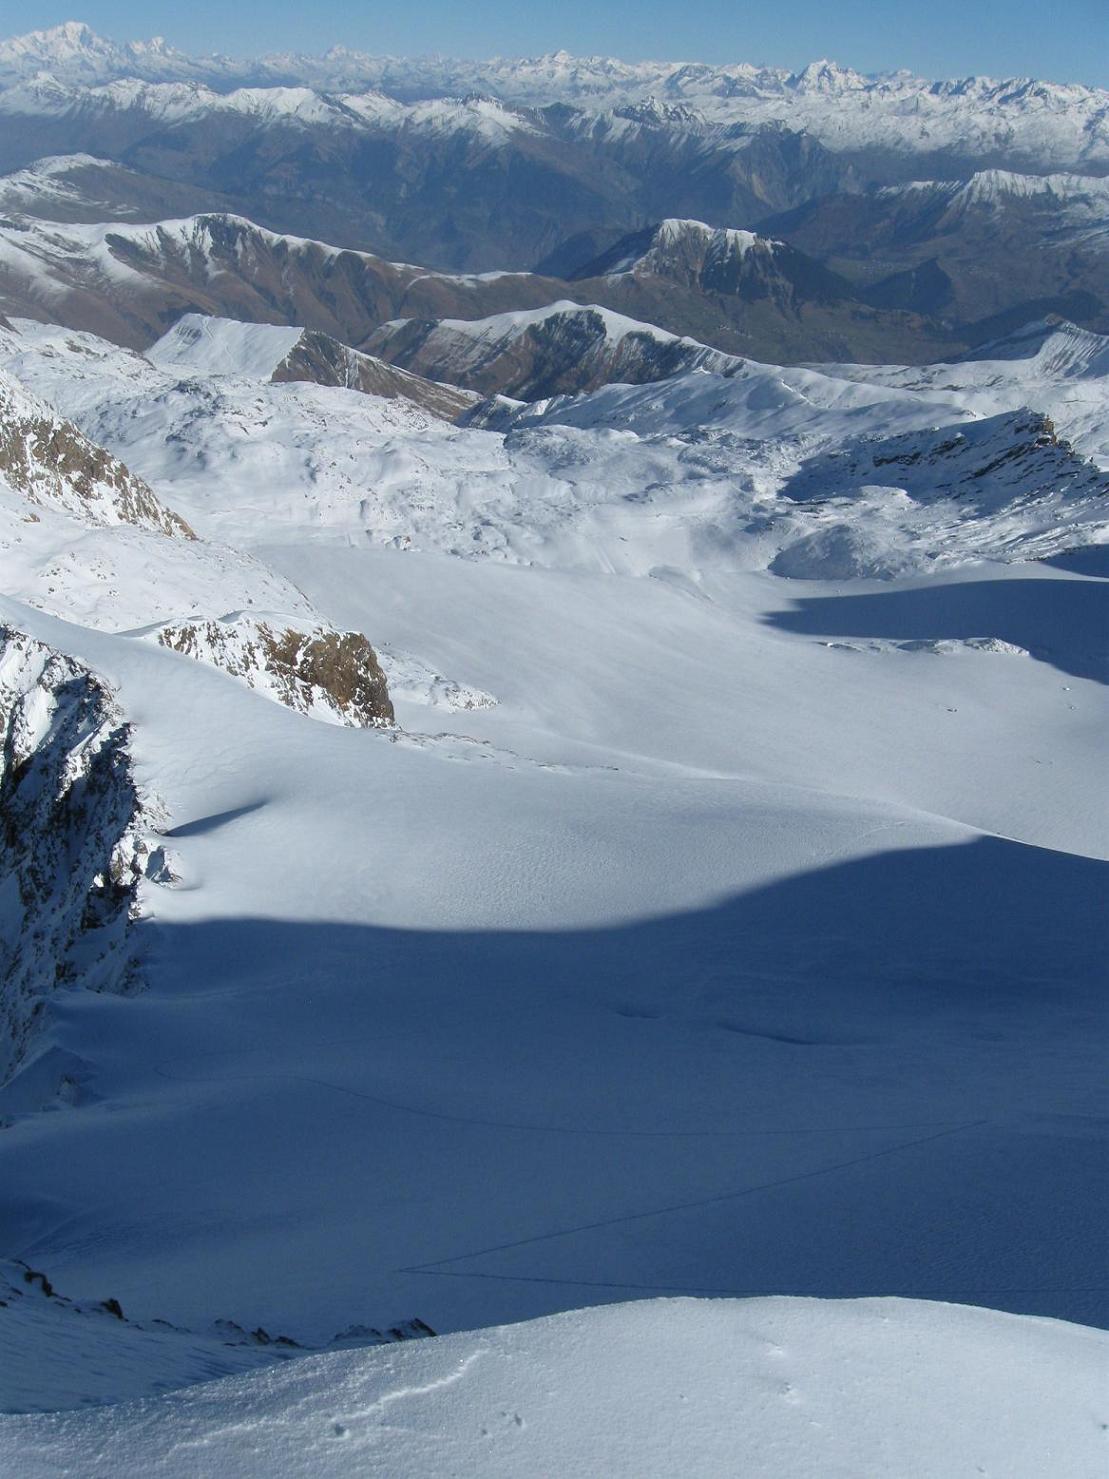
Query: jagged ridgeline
x,y
874,218
49,462
74,838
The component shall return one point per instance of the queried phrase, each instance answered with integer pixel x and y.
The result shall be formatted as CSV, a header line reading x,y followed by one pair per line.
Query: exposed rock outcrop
x,y
738,264
1016,455
561,350
329,675
74,838
324,361
70,1352
47,460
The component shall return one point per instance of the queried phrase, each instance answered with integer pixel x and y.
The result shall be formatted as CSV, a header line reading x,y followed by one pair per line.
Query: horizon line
x,y
68,26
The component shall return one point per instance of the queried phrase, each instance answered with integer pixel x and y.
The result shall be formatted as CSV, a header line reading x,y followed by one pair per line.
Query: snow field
x,y
760,1387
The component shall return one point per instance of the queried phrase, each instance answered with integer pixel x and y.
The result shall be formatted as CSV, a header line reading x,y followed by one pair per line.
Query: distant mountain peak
x,y
71,38
827,76
676,246
70,33
721,260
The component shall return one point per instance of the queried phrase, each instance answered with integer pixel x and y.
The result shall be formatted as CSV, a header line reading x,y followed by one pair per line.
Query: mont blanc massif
x,y
552,808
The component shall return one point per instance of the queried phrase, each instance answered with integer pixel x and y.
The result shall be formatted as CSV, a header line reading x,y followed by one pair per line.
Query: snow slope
x,y
222,346
749,944
1051,365
48,462
759,1387
76,1353
438,1068
273,352
568,482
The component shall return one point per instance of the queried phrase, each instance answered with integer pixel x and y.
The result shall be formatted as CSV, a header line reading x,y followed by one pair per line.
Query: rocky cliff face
x,y
557,351
329,675
322,360
74,838
47,460
986,464
129,283
731,263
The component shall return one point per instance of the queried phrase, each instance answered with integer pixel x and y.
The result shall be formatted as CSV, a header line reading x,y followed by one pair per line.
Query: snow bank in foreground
x,y
761,1387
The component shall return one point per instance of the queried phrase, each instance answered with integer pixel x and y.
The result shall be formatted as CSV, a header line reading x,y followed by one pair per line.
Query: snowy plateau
x,y
552,769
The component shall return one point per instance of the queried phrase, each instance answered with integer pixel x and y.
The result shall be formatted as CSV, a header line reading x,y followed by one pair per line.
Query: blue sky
x,y
1065,41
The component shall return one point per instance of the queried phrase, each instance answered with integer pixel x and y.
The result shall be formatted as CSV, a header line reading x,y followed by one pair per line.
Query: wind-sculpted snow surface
x,y
1010,477
764,1388
986,463
731,461
1051,365
80,1353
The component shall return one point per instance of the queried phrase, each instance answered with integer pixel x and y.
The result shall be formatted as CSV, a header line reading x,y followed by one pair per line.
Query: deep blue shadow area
x,y
1062,622
214,821
881,1077
1090,559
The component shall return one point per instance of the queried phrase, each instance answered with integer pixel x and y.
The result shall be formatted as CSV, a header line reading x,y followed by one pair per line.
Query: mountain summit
x,y
718,260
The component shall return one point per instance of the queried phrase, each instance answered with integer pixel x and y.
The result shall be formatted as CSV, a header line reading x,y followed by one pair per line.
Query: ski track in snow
x,y
461,1119
728,1196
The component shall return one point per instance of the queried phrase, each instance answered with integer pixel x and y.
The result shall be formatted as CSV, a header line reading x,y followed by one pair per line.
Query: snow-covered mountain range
x,y
552,695
841,107
128,281
414,160
694,632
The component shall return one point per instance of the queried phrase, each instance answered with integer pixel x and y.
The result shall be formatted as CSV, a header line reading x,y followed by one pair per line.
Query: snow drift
x,y
764,1388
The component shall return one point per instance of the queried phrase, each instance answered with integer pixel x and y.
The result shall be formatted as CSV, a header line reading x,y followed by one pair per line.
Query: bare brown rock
x,y
327,674
51,463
